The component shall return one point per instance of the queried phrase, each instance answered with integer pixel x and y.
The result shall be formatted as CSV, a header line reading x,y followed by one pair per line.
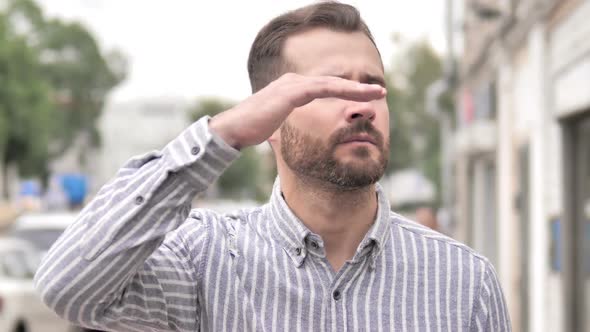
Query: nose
x,y
360,111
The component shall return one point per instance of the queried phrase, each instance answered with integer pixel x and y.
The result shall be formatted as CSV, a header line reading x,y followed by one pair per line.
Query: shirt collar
x,y
291,233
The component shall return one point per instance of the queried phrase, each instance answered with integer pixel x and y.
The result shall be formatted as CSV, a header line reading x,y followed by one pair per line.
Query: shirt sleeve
x,y
490,311
124,263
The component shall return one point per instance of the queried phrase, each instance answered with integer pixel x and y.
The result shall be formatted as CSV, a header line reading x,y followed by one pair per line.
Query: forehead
x,y
321,50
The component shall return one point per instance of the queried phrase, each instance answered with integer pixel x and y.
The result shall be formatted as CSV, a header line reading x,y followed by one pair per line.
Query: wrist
x,y
217,127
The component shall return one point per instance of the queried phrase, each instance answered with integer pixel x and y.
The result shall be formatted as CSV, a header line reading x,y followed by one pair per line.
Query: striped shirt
x,y
139,259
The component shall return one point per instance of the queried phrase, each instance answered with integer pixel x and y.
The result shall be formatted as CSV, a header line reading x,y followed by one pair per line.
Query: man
x,y
325,254
425,216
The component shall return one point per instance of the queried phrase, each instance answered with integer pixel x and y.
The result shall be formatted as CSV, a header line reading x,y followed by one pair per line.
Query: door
x,y
523,208
582,220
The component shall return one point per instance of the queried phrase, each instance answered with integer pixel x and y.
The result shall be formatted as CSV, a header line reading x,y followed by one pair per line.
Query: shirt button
x,y
298,251
138,200
195,150
336,295
315,245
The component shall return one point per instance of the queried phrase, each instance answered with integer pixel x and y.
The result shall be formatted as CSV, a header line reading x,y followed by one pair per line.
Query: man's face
x,y
341,142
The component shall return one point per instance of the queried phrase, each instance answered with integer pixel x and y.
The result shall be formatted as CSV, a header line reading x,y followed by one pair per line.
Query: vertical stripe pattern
x,y
139,259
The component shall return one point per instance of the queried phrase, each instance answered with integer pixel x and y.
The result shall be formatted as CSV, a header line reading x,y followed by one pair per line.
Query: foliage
x,y
415,135
54,80
24,104
80,76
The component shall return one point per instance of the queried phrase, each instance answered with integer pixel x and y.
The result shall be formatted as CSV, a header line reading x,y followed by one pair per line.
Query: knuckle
x,y
307,93
325,90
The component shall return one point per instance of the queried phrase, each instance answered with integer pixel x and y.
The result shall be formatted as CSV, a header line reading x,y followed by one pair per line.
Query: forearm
x,y
99,254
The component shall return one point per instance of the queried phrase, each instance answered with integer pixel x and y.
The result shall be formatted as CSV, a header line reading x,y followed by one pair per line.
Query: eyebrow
x,y
373,78
365,77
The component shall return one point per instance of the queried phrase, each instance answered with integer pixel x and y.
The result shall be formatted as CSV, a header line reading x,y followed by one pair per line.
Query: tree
x,y
80,77
244,178
25,108
55,80
415,138
79,73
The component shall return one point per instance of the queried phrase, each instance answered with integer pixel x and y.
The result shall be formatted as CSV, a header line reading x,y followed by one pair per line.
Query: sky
x,y
188,49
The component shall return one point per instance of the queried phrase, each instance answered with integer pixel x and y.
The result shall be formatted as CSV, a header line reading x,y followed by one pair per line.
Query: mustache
x,y
359,127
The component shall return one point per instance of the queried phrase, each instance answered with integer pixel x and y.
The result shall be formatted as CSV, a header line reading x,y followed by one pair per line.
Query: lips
x,y
360,138
361,131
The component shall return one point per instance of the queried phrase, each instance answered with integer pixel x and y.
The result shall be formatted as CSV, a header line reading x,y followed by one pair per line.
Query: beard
x,y
312,158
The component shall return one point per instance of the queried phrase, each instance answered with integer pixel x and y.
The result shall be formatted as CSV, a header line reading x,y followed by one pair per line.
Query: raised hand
x,y
255,119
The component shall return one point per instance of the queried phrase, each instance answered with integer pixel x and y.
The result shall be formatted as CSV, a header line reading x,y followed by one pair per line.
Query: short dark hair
x,y
266,62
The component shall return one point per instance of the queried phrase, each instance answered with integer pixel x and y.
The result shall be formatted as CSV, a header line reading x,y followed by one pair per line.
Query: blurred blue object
x,y
556,245
30,188
75,187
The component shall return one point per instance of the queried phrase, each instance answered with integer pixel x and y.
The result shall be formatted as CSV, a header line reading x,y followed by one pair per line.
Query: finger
x,y
334,87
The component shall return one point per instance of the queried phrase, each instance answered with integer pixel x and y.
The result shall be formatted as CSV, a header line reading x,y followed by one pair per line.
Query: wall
x,y
134,128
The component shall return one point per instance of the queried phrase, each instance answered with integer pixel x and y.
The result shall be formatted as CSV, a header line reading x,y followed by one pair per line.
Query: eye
x,y
376,81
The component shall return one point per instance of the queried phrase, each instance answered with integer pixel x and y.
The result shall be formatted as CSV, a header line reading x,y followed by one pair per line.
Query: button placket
x,y
338,305
336,295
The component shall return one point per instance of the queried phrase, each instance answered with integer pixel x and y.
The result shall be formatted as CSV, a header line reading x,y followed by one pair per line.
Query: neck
x,y
340,217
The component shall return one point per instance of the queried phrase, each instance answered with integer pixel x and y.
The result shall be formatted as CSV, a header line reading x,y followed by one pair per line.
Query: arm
x,y
490,312
115,267
112,268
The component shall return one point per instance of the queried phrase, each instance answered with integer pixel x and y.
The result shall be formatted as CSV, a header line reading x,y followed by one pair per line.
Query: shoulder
x,y
437,243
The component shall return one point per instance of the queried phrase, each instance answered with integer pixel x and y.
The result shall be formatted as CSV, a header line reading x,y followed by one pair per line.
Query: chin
x,y
354,182
362,161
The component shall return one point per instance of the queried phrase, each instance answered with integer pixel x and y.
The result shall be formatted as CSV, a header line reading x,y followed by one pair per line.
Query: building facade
x,y
522,155
134,128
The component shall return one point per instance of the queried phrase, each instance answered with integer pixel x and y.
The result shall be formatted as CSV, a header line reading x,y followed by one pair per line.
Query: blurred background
x,y
490,127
